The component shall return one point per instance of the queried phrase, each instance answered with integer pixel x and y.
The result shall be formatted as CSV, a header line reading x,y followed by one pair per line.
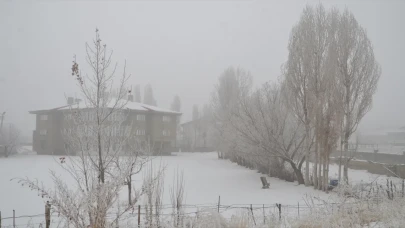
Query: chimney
x,y
131,97
70,100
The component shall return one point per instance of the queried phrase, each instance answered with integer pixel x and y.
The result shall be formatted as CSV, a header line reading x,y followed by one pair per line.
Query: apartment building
x,y
154,125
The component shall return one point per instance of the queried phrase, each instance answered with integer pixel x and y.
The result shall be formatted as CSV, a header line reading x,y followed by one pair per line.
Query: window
x,y
140,132
44,117
68,116
166,133
166,118
42,132
140,117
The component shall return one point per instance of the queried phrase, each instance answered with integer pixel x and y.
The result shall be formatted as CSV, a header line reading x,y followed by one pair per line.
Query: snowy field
x,y
206,178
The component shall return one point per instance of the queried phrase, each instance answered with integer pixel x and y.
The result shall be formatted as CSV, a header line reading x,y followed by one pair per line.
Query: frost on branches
x,y
104,151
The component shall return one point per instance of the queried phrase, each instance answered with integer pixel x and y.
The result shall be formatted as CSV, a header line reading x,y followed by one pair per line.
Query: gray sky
x,y
180,47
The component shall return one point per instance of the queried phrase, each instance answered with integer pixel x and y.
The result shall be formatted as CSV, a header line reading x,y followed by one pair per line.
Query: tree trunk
x,y
100,160
307,178
298,173
340,161
346,172
327,174
347,133
129,184
315,166
320,169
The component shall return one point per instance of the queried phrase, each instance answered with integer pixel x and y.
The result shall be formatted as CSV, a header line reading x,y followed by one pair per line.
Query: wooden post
x,y
253,216
298,209
219,202
279,210
47,214
13,218
264,216
139,215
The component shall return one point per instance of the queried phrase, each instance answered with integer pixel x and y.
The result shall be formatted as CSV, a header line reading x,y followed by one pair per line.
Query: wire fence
x,y
257,213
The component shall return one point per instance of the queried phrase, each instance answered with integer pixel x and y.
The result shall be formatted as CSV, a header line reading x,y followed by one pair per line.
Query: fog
x,y
179,47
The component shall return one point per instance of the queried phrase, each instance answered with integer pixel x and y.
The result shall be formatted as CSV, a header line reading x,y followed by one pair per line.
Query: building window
x,y
166,118
140,132
44,117
140,117
43,132
166,133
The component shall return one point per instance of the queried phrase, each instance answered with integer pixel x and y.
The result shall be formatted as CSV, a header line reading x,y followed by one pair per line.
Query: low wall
x,y
375,168
376,157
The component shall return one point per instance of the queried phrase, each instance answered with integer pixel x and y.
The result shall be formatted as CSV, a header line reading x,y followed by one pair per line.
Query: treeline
x,y
288,128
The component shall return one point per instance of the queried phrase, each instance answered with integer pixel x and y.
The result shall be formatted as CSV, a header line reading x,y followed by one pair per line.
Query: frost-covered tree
x,y
196,124
231,84
107,150
9,139
176,104
148,97
264,123
359,73
330,77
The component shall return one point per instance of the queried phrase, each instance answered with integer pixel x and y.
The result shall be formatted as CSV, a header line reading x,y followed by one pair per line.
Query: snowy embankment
x,y
206,178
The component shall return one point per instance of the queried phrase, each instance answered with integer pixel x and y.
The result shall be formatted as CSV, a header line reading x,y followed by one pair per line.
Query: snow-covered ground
x,y
206,178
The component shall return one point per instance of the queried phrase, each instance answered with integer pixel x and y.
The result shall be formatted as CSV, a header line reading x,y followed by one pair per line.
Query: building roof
x,y
129,105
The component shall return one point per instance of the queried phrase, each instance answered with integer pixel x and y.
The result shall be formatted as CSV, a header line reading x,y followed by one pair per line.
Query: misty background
x,y
179,47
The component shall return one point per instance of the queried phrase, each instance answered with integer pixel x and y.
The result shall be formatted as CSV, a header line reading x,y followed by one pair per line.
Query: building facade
x,y
198,135
150,124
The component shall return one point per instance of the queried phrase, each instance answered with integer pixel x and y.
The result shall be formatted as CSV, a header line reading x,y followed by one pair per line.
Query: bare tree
x,y
264,122
177,199
98,131
176,104
359,73
231,84
196,125
148,97
307,77
153,187
9,139
331,72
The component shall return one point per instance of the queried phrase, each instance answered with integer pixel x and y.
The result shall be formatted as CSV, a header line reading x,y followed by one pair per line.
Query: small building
x,y
198,135
154,125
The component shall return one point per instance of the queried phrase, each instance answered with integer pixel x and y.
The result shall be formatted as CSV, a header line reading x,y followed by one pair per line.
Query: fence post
x,y
279,210
139,215
219,202
264,216
298,209
13,218
47,214
253,216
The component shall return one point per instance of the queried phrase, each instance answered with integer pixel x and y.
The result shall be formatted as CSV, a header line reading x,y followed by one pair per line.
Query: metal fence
x,y
256,213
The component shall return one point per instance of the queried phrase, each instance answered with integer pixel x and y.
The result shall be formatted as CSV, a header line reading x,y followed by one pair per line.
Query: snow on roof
x,y
129,105
157,109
